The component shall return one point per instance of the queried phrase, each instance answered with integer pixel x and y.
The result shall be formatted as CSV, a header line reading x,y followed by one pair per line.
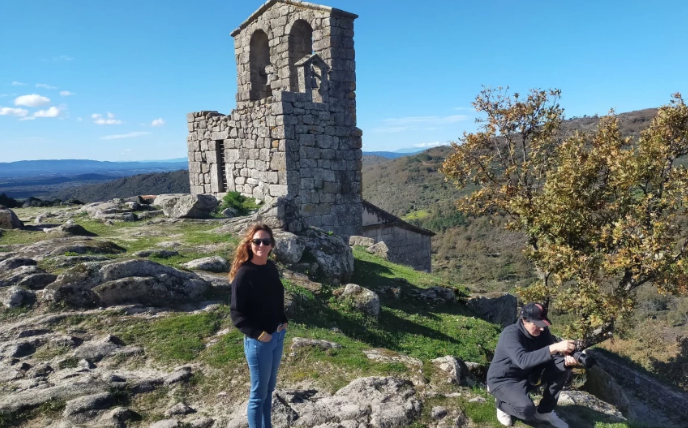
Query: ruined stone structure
x,y
294,131
408,244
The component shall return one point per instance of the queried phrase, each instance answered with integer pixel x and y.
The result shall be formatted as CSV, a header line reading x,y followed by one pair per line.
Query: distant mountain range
x,y
74,167
71,167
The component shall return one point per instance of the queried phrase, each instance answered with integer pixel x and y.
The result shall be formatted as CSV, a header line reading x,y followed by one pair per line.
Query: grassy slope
x,y
405,326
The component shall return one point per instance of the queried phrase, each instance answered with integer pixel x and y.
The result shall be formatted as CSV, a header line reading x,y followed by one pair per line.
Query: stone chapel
x,y
293,132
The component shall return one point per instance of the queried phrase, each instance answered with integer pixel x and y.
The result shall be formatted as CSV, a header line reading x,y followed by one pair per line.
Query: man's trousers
x,y
513,399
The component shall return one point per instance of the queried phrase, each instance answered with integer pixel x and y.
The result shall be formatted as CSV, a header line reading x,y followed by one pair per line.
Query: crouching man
x,y
527,354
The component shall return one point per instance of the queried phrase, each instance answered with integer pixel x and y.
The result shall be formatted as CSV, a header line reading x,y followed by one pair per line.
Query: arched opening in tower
x,y
300,45
259,59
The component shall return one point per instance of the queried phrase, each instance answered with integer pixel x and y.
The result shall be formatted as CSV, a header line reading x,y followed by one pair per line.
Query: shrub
x,y
238,202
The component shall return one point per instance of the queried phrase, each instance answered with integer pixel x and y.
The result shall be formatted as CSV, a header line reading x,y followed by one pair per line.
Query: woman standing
x,y
257,310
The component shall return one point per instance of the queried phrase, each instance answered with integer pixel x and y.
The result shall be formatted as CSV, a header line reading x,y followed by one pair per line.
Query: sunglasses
x,y
265,242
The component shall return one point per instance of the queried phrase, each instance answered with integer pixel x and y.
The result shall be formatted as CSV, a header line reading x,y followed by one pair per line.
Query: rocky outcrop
x,y
14,297
73,244
111,210
185,205
210,264
496,308
435,294
163,254
9,220
300,342
384,402
131,281
91,392
455,370
362,299
15,262
70,228
362,241
23,272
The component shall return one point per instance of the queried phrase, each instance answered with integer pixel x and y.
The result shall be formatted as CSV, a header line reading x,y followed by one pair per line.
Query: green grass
x,y
406,325
173,339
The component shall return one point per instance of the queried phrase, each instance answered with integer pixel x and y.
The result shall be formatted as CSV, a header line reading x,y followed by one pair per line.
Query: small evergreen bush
x,y
238,202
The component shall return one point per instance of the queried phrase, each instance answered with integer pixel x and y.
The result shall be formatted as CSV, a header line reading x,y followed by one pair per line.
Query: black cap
x,y
536,313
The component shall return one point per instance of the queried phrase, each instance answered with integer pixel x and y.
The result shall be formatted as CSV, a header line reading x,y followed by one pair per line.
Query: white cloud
x,y
15,83
33,100
66,93
98,119
158,122
78,119
51,112
45,85
62,58
10,111
428,145
120,136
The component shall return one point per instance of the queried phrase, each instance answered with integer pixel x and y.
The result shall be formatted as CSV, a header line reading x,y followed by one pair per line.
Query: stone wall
x,y
407,244
293,133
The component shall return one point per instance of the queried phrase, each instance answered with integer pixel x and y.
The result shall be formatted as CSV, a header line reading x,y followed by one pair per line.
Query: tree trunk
x,y
598,335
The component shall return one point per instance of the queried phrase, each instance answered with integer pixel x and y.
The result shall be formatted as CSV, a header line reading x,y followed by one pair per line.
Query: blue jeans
x,y
263,361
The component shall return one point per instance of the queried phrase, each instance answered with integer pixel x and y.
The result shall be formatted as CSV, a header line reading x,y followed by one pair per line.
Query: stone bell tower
x,y
293,133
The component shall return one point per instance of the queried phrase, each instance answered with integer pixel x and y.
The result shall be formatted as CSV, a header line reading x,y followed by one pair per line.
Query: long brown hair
x,y
243,251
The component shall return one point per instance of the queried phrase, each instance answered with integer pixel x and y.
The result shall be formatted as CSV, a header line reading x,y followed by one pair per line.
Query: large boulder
x,y
495,308
131,281
185,205
9,220
288,247
334,257
364,300
380,249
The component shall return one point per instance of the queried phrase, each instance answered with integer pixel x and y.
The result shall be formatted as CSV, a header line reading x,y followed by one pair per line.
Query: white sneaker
x,y
504,418
552,418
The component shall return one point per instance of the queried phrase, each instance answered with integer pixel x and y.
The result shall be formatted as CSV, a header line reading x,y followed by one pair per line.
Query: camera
x,y
584,359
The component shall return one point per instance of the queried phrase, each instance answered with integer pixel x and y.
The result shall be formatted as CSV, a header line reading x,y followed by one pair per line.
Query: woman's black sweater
x,y
257,299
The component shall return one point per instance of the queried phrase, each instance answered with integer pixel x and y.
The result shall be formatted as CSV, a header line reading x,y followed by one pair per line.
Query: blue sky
x,y
114,80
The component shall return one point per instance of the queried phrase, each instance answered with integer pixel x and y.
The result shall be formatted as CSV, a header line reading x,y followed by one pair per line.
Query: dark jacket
x,y
518,354
257,299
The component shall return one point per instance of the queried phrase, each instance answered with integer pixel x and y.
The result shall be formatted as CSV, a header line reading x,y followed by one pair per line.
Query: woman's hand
x,y
265,337
282,327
